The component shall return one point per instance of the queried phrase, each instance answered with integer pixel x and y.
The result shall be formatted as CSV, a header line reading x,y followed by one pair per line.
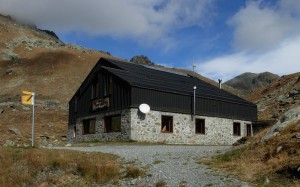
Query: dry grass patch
x,y
160,183
277,159
134,172
31,167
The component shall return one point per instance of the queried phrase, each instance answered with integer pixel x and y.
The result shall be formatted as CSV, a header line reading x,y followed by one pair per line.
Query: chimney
x,y
220,83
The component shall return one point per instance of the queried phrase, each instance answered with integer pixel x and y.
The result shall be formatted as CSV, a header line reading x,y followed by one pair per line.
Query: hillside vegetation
x,y
275,162
272,157
42,167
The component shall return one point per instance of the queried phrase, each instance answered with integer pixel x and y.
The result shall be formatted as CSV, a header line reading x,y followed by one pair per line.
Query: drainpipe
x,y
194,112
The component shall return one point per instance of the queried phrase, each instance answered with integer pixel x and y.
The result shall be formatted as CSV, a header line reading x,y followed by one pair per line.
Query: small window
x,y
112,124
108,85
75,103
95,89
89,126
74,131
200,126
167,124
236,129
249,130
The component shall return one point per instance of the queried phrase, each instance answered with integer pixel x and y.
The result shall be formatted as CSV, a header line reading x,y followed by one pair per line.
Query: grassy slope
x,y
258,160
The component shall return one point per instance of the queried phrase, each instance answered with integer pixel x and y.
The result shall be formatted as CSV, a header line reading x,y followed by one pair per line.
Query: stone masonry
x,y
147,128
124,135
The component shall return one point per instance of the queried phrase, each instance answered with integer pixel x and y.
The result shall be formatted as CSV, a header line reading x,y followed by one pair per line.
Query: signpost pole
x,y
29,99
194,112
32,136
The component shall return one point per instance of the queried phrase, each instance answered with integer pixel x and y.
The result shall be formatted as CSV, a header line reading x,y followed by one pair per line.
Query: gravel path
x,y
175,165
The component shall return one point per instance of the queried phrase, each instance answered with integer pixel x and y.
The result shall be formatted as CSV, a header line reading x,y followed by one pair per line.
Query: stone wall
x,y
147,128
100,135
218,131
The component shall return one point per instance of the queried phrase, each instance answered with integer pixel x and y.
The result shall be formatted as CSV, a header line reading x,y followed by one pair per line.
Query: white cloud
x,y
260,26
285,59
266,38
151,19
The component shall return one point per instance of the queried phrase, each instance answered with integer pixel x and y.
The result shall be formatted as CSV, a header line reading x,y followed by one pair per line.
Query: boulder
x,y
296,136
50,105
278,149
284,102
15,131
26,108
9,143
8,71
289,117
294,92
64,138
26,145
1,110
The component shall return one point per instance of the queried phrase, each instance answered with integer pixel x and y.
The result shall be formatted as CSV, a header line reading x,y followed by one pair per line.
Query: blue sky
x,y
223,38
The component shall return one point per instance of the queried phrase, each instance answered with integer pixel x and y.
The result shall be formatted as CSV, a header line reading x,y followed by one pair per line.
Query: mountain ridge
x,y
247,82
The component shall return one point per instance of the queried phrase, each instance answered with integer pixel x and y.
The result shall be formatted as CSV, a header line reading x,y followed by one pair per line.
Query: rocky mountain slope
x,y
34,60
275,99
248,82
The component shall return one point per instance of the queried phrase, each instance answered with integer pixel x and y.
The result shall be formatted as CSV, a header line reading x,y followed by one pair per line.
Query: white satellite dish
x,y
144,108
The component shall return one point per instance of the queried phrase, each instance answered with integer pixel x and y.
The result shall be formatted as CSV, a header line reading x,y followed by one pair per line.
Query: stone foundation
x,y
100,135
147,128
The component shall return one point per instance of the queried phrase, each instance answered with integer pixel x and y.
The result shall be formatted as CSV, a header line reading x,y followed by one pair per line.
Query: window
x,y
76,103
74,131
89,126
236,129
95,89
112,124
200,126
167,124
249,130
107,85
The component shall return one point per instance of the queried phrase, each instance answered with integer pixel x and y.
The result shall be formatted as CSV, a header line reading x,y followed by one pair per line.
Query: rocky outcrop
x,y
290,117
277,98
143,60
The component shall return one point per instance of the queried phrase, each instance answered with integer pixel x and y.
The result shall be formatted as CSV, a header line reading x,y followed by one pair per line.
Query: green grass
x,y
231,155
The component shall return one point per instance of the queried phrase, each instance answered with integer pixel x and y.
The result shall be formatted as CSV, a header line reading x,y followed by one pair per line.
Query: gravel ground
x,y
175,165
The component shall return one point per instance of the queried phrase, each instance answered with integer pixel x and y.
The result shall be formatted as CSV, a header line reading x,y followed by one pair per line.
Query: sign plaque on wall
x,y
100,104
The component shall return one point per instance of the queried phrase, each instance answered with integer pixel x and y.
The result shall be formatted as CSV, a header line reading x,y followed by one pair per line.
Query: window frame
x,y
171,126
108,123
86,126
236,129
202,126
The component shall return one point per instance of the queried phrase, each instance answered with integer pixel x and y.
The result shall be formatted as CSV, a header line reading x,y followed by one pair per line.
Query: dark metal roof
x,y
151,78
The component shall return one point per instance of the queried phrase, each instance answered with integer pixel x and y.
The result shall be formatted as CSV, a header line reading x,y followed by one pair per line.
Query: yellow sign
x,y
27,93
27,99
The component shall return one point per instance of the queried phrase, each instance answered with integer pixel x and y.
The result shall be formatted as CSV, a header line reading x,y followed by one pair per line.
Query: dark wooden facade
x,y
128,85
